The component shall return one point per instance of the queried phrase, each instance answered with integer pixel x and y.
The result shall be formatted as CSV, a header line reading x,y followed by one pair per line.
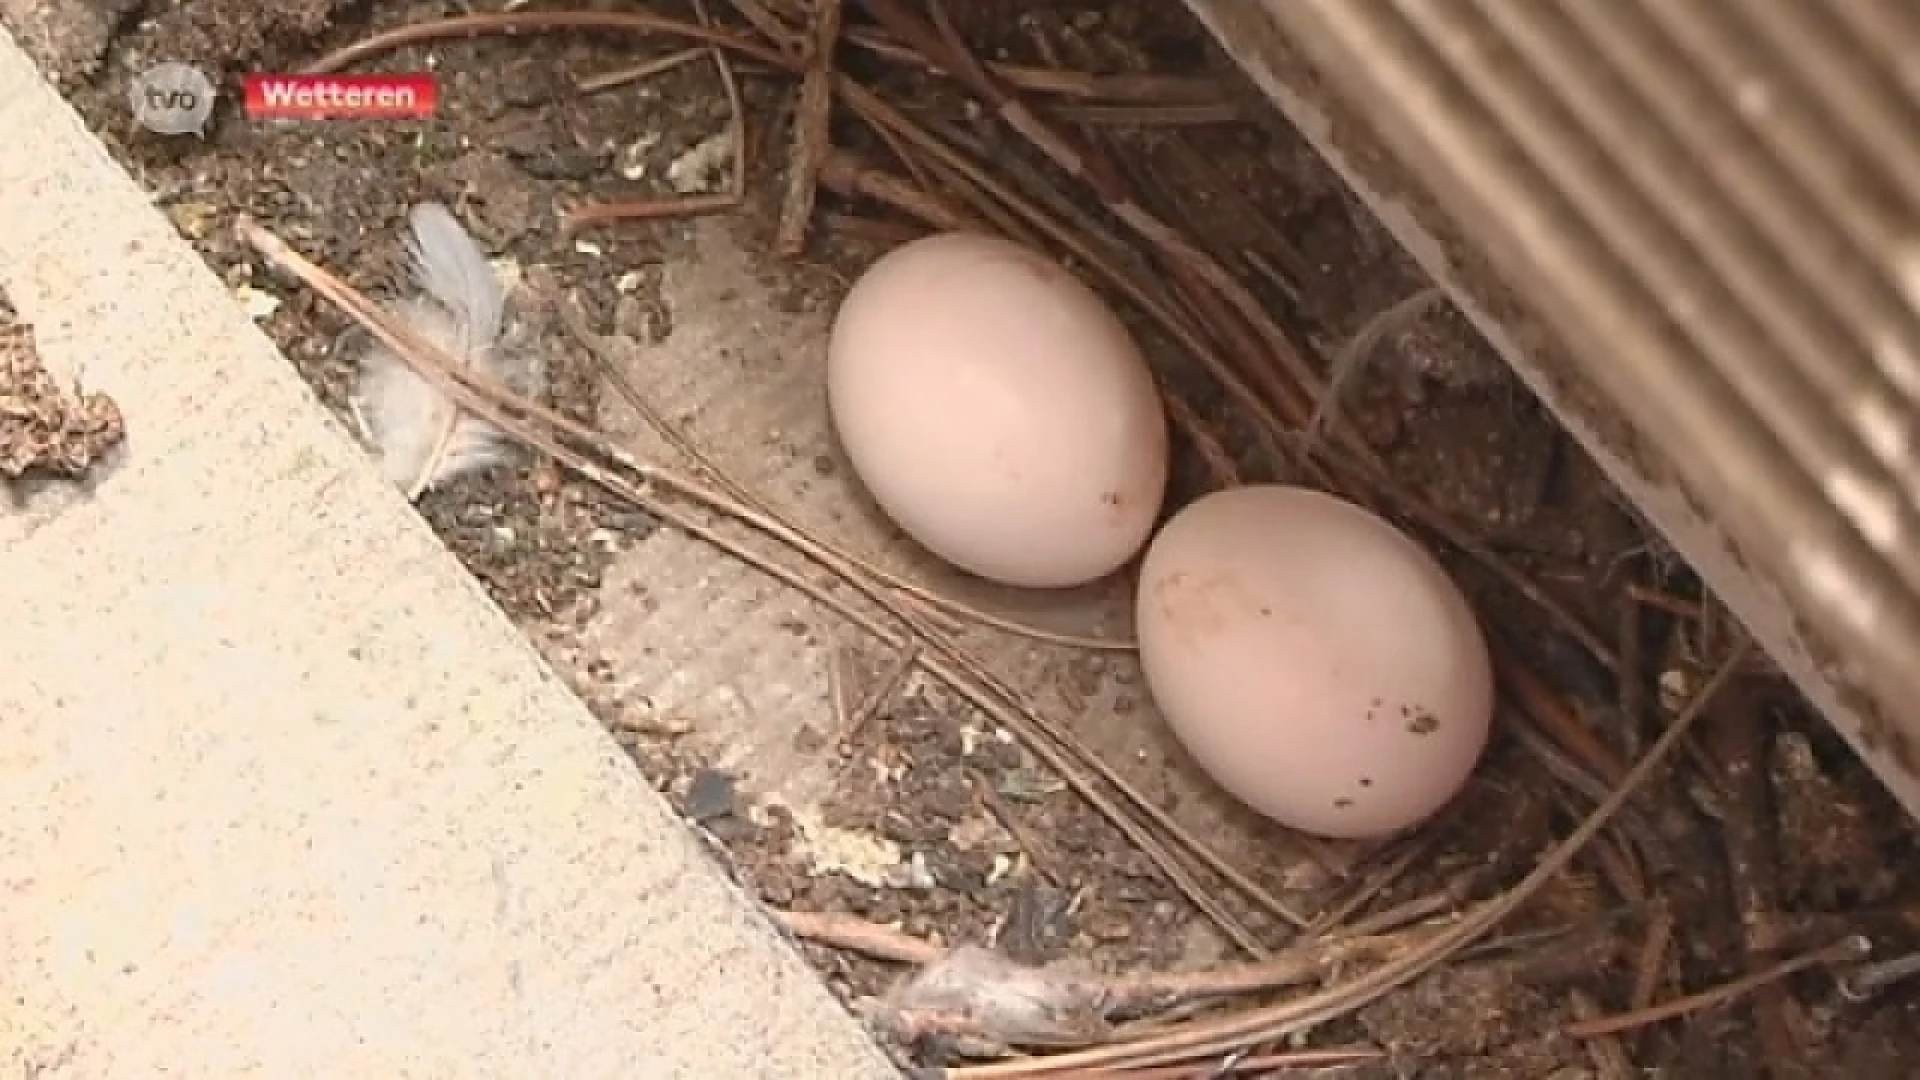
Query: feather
x,y
451,268
422,438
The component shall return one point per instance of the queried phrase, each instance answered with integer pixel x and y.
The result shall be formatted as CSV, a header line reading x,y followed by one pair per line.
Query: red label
x,y
341,97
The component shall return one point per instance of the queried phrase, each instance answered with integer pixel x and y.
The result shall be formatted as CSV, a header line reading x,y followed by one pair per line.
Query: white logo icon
x,y
172,99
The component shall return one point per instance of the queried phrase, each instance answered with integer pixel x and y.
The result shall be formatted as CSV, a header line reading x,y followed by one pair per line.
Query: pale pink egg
x,y
998,411
1317,663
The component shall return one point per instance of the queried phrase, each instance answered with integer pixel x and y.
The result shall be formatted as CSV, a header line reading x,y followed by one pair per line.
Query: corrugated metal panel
x,y
1715,208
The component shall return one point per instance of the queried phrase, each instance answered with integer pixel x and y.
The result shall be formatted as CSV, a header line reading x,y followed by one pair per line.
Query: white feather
x,y
422,439
451,268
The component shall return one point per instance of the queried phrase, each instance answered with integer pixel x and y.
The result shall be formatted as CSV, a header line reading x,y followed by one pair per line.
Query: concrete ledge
x,y
284,794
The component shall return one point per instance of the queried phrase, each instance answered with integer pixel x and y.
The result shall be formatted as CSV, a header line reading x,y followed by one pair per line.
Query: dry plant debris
x,y
43,426
1652,791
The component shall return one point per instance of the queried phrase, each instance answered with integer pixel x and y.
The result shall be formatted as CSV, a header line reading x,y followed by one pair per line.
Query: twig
x,y
1539,701
888,684
1199,114
1630,681
538,22
676,207
595,84
1660,600
858,935
1739,744
845,175
788,40
1839,952
1413,848
1610,1060
1284,1063
811,112
881,233
1301,963
1207,445
1140,88
1650,964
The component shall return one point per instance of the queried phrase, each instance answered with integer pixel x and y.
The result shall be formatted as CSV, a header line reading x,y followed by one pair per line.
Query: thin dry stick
x,y
1651,961
1300,963
1088,86
1196,115
1259,1026
1863,982
1630,680
938,173
518,416
882,691
1851,948
1648,596
678,207
811,112
845,175
854,934
788,40
659,65
1740,738
1416,847
1412,910
1283,1063
513,23
1554,716
1213,453
1609,1058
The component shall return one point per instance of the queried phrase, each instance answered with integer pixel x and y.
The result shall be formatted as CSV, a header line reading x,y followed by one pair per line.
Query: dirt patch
x,y
46,430
926,816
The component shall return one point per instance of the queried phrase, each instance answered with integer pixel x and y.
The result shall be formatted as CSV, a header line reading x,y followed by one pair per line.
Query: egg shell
x,y
1316,662
998,411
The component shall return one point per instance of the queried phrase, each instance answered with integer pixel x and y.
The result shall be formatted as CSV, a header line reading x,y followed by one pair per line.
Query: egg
x,y
1316,662
998,411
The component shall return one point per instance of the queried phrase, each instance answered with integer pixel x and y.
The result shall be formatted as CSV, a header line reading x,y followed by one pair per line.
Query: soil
x,y
1769,839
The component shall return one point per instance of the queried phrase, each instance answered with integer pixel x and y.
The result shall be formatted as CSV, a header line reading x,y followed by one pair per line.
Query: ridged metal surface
x,y
1716,208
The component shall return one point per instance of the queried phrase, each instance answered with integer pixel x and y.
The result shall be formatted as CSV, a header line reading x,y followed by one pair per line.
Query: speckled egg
x,y
1317,663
